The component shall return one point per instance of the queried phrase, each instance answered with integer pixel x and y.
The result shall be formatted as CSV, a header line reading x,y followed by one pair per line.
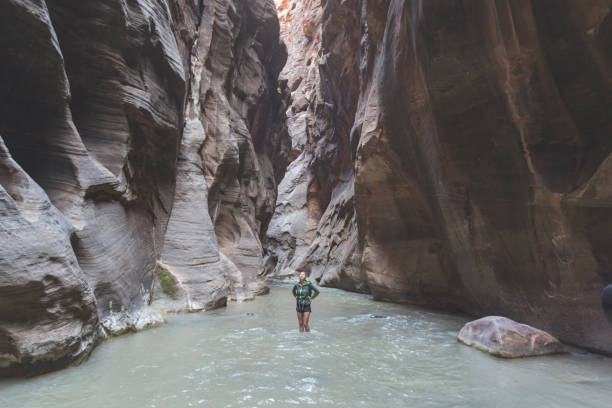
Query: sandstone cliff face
x,y
228,163
296,216
123,123
465,150
314,227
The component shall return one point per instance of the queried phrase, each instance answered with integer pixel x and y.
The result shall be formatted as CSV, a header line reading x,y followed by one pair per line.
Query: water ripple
x,y
360,353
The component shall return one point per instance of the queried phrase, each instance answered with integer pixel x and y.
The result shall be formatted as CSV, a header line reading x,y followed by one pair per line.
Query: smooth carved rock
x,y
144,130
190,250
475,186
506,338
313,228
475,137
95,122
228,164
291,229
47,310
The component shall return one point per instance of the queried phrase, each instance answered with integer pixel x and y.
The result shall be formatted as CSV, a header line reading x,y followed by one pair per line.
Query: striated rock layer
x,y
131,132
228,163
314,226
296,215
460,157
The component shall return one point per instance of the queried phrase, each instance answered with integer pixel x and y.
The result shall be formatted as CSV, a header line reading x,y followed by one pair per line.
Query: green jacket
x,y
303,291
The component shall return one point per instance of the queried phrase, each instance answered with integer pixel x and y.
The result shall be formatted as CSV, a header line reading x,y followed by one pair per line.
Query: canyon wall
x,y
231,154
314,227
135,135
455,154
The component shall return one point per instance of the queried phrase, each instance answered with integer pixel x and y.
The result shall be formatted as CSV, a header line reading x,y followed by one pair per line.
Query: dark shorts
x,y
302,308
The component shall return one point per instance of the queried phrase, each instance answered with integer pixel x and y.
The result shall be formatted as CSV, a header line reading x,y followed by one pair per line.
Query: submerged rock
x,y
506,338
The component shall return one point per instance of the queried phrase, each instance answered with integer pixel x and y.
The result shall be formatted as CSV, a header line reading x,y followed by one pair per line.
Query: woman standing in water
x,y
304,292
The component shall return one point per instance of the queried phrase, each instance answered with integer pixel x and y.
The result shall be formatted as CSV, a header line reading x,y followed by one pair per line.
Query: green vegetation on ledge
x,y
167,281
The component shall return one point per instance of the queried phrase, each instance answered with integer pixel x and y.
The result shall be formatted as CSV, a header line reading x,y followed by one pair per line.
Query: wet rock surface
x,y
132,131
506,338
459,156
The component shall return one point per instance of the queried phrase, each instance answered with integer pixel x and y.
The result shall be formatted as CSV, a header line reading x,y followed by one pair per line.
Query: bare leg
x,y
305,321
300,317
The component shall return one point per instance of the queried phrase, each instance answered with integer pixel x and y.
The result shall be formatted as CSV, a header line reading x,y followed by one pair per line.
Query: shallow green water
x,y
226,358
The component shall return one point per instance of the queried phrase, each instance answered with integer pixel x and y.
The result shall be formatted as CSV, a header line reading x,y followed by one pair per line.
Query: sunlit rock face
x,y
461,157
123,123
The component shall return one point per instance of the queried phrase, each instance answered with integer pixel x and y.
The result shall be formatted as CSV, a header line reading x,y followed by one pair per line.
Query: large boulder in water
x,y
506,338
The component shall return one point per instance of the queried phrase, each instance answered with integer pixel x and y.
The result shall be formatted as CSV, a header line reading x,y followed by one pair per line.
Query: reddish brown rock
x,y
314,227
506,338
297,211
485,134
477,136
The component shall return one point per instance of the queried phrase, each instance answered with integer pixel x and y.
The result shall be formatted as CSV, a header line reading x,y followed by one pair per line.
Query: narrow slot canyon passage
x,y
360,353
440,169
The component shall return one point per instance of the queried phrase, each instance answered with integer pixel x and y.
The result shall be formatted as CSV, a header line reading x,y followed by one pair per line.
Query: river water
x,y
360,353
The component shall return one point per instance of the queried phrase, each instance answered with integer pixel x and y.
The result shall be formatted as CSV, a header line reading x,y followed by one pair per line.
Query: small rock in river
x,y
377,316
506,338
